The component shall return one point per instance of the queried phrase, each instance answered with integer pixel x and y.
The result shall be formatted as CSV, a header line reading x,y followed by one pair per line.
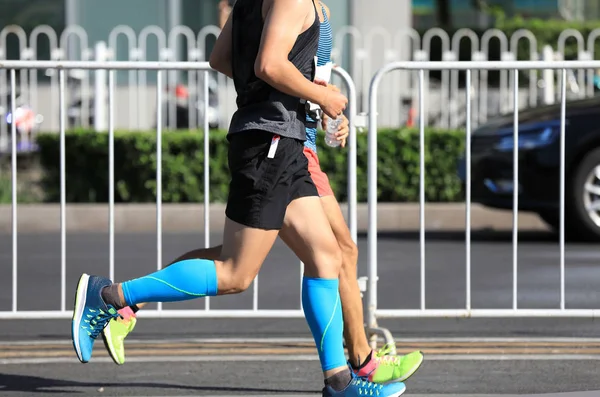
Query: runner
x,y
375,366
268,48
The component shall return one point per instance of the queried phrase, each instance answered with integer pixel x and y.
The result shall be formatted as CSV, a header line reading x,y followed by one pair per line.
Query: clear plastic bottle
x,y
331,130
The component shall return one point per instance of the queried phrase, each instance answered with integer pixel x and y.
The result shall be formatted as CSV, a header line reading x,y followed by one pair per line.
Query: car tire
x,y
578,217
551,218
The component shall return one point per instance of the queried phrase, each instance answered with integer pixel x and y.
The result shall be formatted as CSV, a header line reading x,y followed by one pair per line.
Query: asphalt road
x,y
288,378
492,372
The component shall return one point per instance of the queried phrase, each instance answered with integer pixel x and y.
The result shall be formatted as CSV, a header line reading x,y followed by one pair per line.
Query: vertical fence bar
x,y
468,192
372,202
141,84
422,182
255,294
193,94
63,190
53,94
515,184
159,75
352,149
13,138
171,100
563,116
206,173
111,173
131,89
3,104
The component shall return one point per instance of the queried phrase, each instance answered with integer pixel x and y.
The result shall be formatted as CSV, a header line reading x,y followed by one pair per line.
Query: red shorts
x,y
318,177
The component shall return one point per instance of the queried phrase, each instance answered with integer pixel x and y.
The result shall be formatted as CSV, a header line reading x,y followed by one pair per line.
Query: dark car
x,y
539,165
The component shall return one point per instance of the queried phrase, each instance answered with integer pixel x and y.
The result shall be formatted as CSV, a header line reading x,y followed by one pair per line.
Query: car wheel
x,y
585,209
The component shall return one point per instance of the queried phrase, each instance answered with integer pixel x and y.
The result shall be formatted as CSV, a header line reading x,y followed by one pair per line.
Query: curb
x,y
129,218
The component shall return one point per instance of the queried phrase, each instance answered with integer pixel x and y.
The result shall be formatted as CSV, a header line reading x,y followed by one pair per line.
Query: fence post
x,y
100,113
548,76
372,328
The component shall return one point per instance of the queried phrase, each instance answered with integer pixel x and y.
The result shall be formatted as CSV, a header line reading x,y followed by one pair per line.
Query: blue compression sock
x,y
184,280
323,311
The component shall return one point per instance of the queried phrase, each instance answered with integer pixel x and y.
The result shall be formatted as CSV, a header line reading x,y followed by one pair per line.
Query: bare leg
x,y
352,307
306,231
354,331
244,250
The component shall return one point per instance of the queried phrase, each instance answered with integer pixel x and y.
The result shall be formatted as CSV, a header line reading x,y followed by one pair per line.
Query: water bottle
x,y
331,130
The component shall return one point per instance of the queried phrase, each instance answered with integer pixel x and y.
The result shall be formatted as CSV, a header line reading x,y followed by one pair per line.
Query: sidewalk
x,y
392,217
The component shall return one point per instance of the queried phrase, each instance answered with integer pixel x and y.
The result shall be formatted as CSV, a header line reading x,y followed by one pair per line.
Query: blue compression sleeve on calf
x,y
323,311
184,280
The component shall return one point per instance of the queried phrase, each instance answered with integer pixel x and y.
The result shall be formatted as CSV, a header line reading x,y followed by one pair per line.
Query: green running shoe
x,y
115,332
384,369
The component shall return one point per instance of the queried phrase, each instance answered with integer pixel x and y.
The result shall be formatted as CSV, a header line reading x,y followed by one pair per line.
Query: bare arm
x,y
220,57
283,24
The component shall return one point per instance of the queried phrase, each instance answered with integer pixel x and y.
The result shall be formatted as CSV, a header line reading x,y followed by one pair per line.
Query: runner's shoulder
x,y
306,5
326,9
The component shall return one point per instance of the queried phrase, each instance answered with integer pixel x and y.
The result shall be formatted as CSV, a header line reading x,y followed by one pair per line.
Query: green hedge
x,y
183,159
23,194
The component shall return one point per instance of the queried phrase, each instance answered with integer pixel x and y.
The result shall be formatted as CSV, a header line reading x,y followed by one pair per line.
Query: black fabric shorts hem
x,y
262,186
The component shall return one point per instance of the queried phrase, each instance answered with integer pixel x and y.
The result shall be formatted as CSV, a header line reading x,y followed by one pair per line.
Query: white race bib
x,y
322,73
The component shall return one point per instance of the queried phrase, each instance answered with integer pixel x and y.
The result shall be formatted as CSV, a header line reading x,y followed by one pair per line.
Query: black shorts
x,y
267,173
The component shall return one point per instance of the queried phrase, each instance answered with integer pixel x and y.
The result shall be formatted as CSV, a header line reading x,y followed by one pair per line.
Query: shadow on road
x,y
35,384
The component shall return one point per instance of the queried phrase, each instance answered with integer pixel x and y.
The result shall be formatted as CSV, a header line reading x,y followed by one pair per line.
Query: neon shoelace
x,y
382,355
367,388
97,322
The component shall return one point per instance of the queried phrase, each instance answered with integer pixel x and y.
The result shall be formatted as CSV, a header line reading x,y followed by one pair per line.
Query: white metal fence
x,y
361,53
421,68
110,68
374,312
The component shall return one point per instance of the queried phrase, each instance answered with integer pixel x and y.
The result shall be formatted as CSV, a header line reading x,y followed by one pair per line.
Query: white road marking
x,y
305,358
310,340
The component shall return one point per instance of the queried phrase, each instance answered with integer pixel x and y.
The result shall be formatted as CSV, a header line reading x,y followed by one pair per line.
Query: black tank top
x,y
260,106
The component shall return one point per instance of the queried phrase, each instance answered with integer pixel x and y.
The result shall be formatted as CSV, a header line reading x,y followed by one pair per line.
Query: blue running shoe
x,y
359,387
90,315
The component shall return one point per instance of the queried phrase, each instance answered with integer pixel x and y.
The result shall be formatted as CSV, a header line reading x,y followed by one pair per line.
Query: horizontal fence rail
x,y
160,68
374,311
409,65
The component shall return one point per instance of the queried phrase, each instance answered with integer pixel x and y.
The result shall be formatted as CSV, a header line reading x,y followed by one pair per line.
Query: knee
x,y
338,260
349,269
333,260
349,253
241,283
325,261
233,282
